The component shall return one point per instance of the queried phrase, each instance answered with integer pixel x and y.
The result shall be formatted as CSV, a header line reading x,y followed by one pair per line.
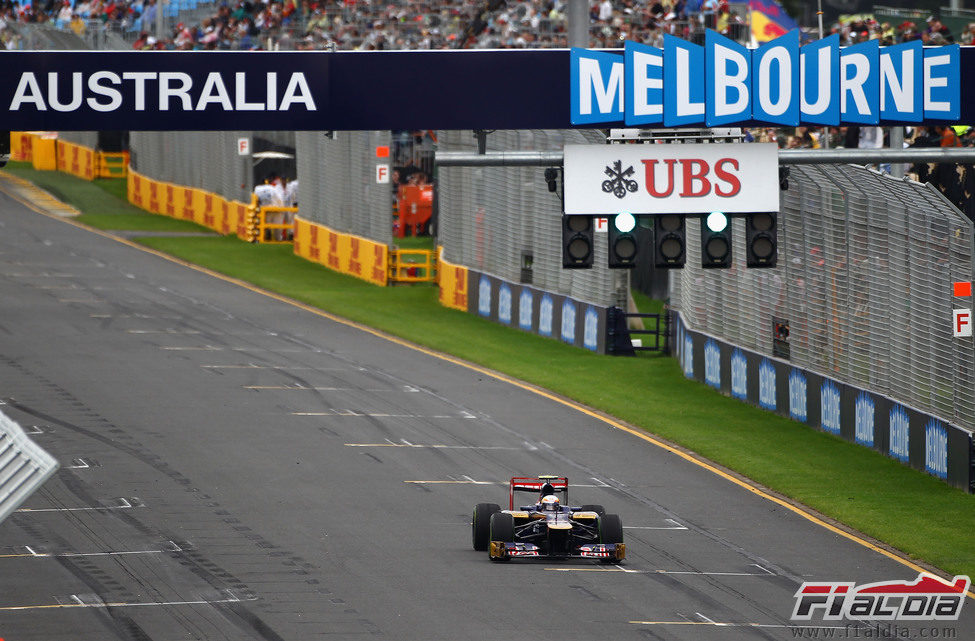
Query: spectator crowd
x,y
424,24
371,25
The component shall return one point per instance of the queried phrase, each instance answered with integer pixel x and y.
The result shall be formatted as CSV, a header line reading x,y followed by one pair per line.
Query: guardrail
x,y
260,230
111,164
24,466
412,266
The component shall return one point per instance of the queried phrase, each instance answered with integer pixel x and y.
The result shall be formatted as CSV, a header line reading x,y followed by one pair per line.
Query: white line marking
x,y
214,348
274,367
598,482
56,555
735,625
303,388
434,446
78,464
469,481
124,504
205,348
766,570
452,482
162,331
33,430
618,568
706,619
80,604
354,413
675,526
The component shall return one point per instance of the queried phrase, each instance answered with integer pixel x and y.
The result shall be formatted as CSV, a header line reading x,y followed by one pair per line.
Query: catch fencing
x,y
338,184
863,289
203,160
503,221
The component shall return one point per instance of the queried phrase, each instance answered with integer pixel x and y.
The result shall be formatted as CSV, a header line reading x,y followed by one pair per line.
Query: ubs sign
x,y
687,179
779,83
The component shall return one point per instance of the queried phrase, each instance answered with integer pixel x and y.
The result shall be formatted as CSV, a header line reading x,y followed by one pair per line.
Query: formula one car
x,y
549,528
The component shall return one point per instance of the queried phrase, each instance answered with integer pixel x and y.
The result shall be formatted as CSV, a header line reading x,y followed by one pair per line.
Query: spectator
x,y
936,33
968,35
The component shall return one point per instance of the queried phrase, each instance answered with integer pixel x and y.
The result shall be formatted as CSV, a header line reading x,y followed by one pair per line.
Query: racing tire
x,y
502,529
610,528
598,509
481,525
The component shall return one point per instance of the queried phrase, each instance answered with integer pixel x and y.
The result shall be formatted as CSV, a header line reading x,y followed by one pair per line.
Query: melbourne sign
x,y
779,83
668,178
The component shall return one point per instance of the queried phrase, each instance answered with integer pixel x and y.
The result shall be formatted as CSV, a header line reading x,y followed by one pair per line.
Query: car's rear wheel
x,y
598,509
610,528
502,529
481,525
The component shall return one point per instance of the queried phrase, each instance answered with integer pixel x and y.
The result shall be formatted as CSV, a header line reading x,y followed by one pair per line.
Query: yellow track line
x,y
903,560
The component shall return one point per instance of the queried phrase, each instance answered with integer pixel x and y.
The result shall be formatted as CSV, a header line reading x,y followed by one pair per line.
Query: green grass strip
x,y
872,493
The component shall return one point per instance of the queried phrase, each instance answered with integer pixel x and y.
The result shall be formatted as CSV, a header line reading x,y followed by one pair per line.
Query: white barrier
x,y
24,466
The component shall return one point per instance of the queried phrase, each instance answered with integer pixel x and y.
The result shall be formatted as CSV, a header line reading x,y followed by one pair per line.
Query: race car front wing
x,y
500,551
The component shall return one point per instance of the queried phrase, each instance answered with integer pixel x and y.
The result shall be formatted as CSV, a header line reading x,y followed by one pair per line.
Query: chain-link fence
x,y
338,182
866,265
205,160
86,138
500,220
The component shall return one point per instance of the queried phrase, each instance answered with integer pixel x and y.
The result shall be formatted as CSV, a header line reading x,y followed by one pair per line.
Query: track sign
x,y
962,326
671,179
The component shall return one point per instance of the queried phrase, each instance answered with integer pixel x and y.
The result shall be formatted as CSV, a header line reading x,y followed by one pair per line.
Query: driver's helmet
x,y
550,503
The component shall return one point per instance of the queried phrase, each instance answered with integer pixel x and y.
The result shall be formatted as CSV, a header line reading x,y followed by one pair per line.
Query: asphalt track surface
x,y
236,466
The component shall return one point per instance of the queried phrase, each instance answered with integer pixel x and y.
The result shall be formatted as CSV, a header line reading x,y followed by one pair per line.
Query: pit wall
x,y
915,438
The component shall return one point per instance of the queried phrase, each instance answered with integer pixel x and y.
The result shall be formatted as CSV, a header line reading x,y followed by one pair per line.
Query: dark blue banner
x,y
215,91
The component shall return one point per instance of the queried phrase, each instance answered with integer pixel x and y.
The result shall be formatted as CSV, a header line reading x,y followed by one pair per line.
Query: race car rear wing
x,y
559,485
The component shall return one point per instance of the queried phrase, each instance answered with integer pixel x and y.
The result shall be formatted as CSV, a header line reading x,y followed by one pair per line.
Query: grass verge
x,y
886,500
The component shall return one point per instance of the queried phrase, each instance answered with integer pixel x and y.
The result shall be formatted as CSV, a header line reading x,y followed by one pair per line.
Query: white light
x,y
624,222
716,221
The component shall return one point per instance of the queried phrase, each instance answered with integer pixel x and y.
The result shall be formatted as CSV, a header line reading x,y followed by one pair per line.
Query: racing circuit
x,y
238,466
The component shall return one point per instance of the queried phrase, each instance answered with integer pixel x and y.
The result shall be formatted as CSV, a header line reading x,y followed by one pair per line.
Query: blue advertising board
x,y
872,420
487,89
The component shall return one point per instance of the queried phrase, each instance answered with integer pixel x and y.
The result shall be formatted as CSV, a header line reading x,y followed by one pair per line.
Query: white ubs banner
x,y
671,178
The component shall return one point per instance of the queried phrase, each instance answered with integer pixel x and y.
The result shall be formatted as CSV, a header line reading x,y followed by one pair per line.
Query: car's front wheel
x,y
610,528
503,530
481,525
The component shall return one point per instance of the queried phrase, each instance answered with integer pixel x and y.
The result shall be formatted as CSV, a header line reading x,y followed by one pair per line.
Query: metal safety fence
x,y
863,291
204,160
503,220
339,186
